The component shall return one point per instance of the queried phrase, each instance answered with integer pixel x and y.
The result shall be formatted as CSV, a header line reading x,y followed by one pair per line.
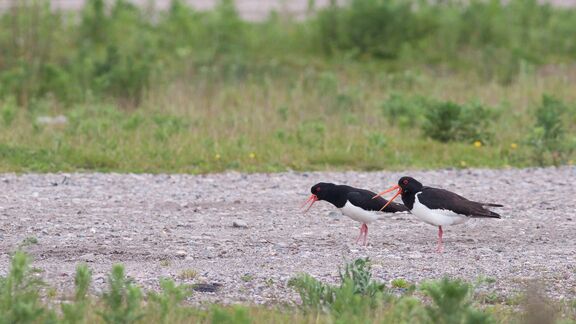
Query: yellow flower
x,y
513,146
217,157
477,144
252,155
463,164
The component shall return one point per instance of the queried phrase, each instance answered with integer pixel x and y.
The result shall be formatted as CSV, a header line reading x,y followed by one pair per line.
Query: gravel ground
x,y
181,226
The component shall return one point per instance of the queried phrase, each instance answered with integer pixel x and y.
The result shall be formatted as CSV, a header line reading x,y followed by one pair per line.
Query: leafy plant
x,y
548,137
449,121
75,312
19,293
122,300
165,304
452,303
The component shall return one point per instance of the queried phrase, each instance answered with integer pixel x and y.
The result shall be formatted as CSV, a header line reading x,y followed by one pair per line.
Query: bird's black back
x,y
363,198
435,198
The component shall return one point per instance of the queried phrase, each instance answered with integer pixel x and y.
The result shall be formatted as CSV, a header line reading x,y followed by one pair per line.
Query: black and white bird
x,y
438,207
354,203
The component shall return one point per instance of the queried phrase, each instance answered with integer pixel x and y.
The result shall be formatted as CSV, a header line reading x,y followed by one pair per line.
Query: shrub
x,y
122,300
75,312
452,303
449,121
19,293
548,137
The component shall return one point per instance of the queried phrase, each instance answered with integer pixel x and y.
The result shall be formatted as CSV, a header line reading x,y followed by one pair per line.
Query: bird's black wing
x,y
435,198
363,199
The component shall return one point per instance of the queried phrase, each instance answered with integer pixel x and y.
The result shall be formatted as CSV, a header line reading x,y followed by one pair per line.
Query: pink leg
x,y
365,233
440,247
361,232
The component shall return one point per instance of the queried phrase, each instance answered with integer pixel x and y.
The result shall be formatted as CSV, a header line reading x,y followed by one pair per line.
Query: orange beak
x,y
312,199
396,187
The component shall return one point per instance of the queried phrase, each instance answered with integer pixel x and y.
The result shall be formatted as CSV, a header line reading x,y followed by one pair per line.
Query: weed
x,y
451,303
247,277
449,121
400,283
548,137
165,303
75,312
19,293
122,300
31,240
188,274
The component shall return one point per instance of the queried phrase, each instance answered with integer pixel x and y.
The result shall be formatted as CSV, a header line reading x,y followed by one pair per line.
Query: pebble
x,y
239,224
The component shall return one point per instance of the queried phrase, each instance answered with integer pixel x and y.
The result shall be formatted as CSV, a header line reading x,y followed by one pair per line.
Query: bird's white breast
x,y
438,217
359,214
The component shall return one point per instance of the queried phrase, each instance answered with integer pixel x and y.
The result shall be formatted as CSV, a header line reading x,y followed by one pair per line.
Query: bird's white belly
x,y
359,214
438,217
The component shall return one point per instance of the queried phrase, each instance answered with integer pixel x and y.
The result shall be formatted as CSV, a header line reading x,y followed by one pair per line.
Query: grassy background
x,y
372,85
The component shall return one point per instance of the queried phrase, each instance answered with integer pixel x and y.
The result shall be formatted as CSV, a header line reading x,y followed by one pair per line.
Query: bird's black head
x,y
323,190
409,185
328,192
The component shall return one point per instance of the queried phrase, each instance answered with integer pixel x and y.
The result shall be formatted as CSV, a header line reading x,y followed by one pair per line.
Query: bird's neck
x,y
408,198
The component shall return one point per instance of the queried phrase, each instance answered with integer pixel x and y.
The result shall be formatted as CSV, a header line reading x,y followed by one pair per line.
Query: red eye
x,y
317,189
405,182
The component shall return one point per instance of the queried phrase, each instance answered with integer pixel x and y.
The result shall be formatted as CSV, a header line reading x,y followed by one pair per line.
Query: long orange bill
x,y
312,199
398,193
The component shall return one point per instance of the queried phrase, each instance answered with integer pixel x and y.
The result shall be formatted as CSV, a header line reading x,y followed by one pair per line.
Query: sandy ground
x,y
249,9
165,225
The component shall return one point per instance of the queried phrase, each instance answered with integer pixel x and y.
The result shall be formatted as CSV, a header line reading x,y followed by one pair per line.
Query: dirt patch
x,y
181,226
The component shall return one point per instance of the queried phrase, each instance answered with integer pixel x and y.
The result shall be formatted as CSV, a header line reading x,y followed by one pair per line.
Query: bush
x,y
19,293
449,121
370,27
122,300
75,312
452,303
548,137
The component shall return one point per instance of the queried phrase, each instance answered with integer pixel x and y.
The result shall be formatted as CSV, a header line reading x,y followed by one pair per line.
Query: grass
x,y
24,298
185,91
282,124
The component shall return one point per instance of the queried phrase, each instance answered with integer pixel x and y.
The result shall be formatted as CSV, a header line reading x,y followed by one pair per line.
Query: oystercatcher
x,y
438,207
354,203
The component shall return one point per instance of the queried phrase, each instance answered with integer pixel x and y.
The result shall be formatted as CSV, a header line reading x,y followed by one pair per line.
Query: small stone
x,y
89,257
181,253
239,224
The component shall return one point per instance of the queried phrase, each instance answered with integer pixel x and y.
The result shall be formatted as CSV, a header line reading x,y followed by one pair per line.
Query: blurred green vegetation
x,y
24,298
370,85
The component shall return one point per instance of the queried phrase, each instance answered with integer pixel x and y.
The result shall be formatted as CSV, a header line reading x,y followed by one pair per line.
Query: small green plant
x,y
20,293
449,121
247,277
75,312
31,240
165,304
356,288
452,303
358,272
400,283
548,137
188,274
122,300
